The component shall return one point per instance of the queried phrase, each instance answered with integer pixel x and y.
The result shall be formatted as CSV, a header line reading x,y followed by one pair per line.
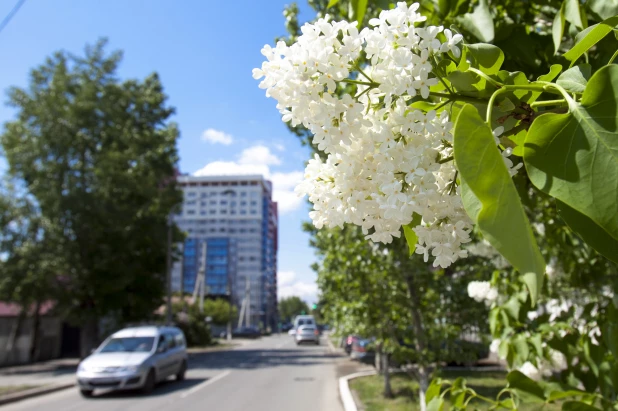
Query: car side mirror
x,y
161,349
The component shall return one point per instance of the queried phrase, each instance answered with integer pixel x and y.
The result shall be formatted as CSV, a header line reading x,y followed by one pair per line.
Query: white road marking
x,y
205,384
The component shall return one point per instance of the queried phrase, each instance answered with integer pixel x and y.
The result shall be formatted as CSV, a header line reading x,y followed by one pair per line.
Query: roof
x,y
13,309
144,331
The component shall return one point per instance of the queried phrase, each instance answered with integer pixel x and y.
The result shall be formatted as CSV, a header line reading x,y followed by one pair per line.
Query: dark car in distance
x,y
246,332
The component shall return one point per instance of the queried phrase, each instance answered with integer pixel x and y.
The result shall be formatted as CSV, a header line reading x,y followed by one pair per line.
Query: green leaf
x,y
331,3
479,22
578,406
436,404
572,13
575,79
493,320
557,30
537,342
592,37
558,395
512,307
610,330
591,232
574,157
521,347
433,390
360,11
604,8
491,199
408,232
525,388
488,58
554,70
506,105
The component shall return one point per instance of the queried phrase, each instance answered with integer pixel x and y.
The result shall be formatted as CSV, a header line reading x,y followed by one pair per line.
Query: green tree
x,y
220,311
416,314
565,143
290,307
97,156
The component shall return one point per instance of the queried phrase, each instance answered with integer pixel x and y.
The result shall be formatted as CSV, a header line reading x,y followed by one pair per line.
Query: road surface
x,y
268,374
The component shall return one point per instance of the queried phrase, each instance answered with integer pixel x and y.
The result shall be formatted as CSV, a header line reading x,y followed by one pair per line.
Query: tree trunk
x,y
89,337
423,382
388,392
422,373
34,340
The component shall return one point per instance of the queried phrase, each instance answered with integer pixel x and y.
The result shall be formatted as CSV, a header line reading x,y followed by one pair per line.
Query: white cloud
x,y
287,287
283,190
258,155
229,168
285,277
280,147
256,160
216,136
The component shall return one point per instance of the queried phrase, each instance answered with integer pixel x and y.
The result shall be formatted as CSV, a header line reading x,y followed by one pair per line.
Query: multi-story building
x,y
237,220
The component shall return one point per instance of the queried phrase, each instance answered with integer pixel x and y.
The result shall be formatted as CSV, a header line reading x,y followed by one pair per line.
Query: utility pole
x,y
168,270
200,281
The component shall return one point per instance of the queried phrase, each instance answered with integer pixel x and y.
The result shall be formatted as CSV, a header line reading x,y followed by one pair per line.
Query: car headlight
x,y
132,368
81,368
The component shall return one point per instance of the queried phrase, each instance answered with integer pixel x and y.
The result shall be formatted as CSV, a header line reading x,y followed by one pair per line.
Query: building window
x,y
190,212
244,193
223,202
253,212
191,194
213,202
243,212
224,211
254,203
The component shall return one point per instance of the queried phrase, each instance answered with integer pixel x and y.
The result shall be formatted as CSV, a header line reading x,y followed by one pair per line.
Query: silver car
x,y
307,333
134,358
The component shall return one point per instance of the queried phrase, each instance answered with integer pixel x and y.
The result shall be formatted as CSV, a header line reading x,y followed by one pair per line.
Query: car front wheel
x,y
149,384
86,393
181,373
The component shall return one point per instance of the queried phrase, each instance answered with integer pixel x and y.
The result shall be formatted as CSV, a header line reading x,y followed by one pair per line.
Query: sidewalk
x,y
61,371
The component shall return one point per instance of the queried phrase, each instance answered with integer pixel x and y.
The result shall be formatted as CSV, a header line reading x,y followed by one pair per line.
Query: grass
x,y
405,390
11,389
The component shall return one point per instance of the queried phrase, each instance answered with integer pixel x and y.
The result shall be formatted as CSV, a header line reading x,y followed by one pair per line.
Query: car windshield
x,y
129,344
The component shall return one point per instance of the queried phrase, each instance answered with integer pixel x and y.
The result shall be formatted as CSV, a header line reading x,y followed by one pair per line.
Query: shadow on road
x,y
259,358
163,388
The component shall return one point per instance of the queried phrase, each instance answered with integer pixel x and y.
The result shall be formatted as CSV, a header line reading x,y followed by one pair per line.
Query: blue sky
x,y
204,52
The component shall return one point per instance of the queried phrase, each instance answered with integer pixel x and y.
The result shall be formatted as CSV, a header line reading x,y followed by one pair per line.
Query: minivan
x,y
136,357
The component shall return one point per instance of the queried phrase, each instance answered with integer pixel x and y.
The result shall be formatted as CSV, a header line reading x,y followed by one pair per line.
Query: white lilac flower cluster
x,y
385,159
482,291
555,361
557,308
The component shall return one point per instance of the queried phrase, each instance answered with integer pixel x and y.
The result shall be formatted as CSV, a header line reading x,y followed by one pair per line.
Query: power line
x,y
11,14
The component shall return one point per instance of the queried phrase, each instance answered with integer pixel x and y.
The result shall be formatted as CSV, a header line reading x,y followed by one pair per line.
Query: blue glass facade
x,y
218,267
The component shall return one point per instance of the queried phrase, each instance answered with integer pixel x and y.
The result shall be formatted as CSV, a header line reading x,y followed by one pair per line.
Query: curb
x,y
344,389
34,392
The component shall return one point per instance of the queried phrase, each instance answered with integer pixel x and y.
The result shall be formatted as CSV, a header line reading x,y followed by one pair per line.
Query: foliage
x,y
547,91
97,159
290,307
220,311
380,292
193,324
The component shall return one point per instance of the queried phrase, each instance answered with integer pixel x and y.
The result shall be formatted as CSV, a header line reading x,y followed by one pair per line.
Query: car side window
x,y
171,342
180,340
163,342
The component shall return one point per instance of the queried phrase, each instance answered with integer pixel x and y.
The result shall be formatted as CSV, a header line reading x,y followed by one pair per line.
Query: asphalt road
x,y
268,374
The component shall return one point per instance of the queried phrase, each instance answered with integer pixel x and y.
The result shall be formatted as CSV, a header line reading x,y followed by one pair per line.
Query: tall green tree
x,y
416,314
98,156
290,307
